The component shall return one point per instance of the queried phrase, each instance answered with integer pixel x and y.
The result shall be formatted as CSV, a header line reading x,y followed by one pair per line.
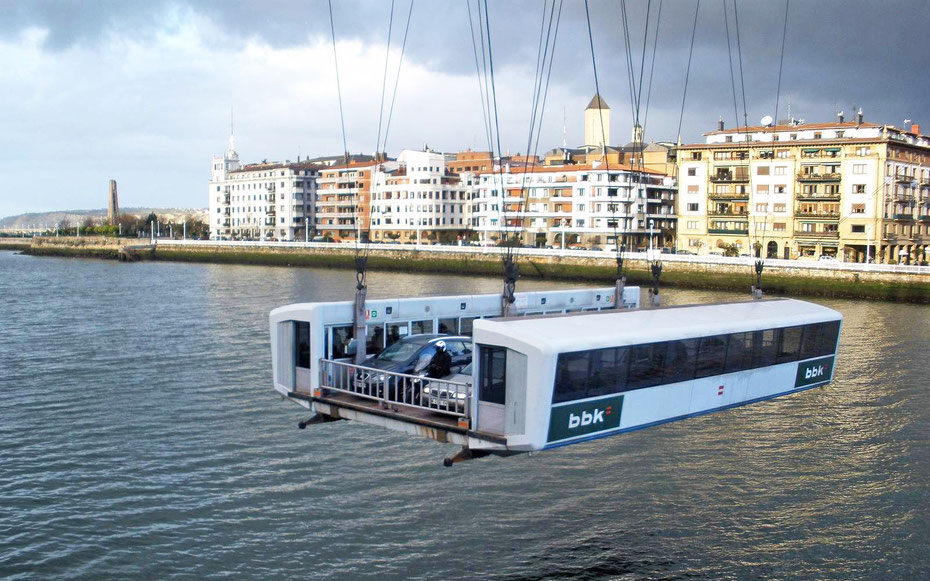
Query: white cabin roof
x,y
594,330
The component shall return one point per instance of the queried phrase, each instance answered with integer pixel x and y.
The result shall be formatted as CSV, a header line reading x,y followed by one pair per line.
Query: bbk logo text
x,y
813,372
572,420
587,419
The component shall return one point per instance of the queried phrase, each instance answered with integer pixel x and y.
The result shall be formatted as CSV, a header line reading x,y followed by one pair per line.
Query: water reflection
x,y
140,438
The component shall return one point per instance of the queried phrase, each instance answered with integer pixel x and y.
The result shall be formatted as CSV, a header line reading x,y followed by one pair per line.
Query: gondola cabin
x,y
549,381
584,370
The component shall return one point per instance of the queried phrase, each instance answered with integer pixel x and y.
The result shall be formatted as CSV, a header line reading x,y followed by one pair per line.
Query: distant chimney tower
x,y
839,117
859,117
720,123
112,205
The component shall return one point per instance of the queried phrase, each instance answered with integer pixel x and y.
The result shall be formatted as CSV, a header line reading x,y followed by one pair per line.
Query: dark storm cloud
x,y
869,54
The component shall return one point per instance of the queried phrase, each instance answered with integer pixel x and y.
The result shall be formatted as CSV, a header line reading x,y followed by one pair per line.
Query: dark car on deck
x,y
412,355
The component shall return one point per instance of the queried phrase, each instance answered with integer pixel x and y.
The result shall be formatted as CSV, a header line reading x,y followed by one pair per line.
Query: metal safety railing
x,y
451,398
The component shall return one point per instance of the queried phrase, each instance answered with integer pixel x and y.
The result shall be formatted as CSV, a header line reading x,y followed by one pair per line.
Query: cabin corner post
x,y
511,274
360,330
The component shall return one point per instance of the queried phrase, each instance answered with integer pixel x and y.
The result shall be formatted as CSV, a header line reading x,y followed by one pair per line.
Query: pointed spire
x,y
232,132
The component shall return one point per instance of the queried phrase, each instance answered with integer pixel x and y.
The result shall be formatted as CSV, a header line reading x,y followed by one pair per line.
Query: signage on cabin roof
x,y
578,419
814,371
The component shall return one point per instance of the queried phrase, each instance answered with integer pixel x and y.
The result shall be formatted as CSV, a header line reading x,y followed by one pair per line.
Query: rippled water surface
x,y
140,438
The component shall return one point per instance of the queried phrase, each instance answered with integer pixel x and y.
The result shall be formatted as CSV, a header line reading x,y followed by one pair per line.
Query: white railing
x,y
397,389
832,265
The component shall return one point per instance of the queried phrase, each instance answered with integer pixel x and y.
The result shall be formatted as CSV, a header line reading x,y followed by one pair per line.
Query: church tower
x,y
230,160
597,123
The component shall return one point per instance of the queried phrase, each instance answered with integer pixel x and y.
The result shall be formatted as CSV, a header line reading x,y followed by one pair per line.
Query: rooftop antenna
x,y
564,130
232,132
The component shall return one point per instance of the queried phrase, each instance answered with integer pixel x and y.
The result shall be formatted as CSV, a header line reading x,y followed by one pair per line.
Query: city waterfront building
x,y
260,201
849,189
419,197
343,200
575,206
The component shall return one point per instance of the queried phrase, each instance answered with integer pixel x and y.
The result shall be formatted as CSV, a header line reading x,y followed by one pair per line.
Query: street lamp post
x,y
306,230
868,242
651,226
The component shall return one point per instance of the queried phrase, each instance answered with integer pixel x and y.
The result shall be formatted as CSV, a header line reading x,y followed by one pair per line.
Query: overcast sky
x,y
141,92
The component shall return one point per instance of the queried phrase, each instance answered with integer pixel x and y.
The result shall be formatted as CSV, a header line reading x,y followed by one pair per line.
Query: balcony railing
x,y
742,232
903,216
819,215
818,177
924,218
818,196
825,234
729,195
730,213
904,179
723,178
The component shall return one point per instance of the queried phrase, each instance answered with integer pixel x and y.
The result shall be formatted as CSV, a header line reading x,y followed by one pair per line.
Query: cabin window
x,y
739,352
647,365
467,324
374,342
340,340
303,344
680,360
789,344
572,376
421,327
819,339
448,326
608,371
396,332
493,373
712,356
765,348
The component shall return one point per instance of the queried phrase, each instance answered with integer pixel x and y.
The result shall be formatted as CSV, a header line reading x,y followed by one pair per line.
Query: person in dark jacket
x,y
441,365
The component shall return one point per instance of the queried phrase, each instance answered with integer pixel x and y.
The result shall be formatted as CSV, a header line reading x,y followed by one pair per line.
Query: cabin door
x,y
501,391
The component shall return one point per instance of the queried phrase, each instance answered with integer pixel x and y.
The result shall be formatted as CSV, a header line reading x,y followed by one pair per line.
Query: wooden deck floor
x,y
433,418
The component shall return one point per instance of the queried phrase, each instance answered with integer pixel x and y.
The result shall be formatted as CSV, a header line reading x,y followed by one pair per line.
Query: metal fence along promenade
x,y
438,249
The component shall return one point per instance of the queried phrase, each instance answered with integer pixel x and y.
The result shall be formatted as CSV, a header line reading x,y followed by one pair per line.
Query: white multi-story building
x,y
261,201
581,205
418,198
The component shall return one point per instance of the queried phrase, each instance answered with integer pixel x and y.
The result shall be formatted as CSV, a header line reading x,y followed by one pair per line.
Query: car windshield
x,y
466,370
399,352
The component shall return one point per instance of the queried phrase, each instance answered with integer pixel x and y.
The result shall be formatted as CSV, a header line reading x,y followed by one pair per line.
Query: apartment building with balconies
x,y
343,200
847,189
261,201
575,206
419,198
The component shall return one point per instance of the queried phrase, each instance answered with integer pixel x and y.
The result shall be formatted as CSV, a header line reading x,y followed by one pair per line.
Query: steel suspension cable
x,y
474,45
400,63
652,68
387,55
684,95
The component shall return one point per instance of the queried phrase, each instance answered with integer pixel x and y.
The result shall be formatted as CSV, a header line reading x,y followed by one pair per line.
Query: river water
x,y
140,438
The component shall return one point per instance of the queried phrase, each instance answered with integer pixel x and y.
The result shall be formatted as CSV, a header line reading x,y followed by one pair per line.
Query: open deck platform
x,y
417,420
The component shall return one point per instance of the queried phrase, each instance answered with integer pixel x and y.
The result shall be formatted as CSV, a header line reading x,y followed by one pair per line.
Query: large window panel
x,y
493,374
789,344
712,356
303,344
608,371
647,365
571,381
739,352
765,348
810,341
829,337
680,360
